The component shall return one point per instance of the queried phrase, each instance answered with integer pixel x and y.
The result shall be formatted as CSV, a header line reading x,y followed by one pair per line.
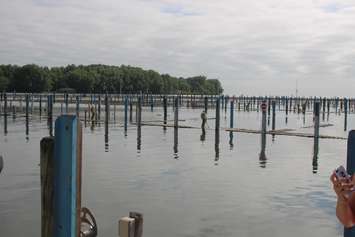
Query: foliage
x,y
100,79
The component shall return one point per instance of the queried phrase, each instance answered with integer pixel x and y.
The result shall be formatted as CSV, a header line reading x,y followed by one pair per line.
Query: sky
x,y
254,47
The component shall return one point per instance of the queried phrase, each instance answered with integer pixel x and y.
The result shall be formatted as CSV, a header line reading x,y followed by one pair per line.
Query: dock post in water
x,y
262,156
273,114
27,110
217,125
345,114
67,176
176,126
231,122
125,114
77,105
5,113
206,103
316,128
47,188
165,104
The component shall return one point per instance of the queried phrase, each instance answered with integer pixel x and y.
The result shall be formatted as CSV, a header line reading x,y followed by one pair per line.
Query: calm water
x,y
189,192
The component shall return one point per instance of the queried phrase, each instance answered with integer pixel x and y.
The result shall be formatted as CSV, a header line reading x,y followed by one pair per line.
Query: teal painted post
x,y
350,167
67,176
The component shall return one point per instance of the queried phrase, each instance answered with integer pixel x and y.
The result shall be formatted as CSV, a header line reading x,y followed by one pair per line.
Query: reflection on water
x,y
221,201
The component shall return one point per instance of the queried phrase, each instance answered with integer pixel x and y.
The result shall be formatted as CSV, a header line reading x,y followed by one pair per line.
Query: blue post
x,y
125,113
350,167
67,151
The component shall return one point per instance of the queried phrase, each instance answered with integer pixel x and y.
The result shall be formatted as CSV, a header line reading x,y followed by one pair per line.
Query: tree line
x,y
101,79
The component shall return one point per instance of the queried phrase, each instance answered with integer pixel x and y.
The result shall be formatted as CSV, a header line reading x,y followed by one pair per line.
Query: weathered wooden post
x,y
130,110
286,110
151,103
5,113
40,105
99,109
217,125
262,156
165,104
125,114
66,96
345,114
231,122
323,110
350,167
139,122
77,100
316,128
176,125
1,164
67,176
206,104
27,111
273,115
47,187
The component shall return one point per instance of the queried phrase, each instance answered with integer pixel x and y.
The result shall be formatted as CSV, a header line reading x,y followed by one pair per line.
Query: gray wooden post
x,y
47,188
217,128
262,155
165,104
5,113
231,122
176,125
273,115
316,128
345,114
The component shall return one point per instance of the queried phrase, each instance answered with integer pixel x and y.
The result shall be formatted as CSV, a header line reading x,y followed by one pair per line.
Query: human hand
x,y
342,186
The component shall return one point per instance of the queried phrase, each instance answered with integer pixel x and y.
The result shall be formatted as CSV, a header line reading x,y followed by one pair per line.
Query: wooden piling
x,y
165,104
231,122
345,114
67,176
273,124
125,114
316,128
176,126
5,113
262,155
47,187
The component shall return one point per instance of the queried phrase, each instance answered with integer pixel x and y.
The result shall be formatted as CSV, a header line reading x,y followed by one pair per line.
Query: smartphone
x,y
341,173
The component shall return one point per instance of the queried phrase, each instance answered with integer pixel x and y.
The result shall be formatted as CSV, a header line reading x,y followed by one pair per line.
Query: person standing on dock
x,y
345,208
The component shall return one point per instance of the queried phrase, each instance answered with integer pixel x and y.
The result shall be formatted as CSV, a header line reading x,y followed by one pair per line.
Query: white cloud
x,y
253,47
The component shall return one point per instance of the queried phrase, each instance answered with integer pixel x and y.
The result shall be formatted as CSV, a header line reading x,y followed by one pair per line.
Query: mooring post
x,y
345,114
316,128
151,103
231,122
206,103
125,114
165,104
66,95
273,115
67,176
130,109
139,121
99,108
5,113
27,111
77,101
40,105
107,109
176,126
217,116
47,187
262,155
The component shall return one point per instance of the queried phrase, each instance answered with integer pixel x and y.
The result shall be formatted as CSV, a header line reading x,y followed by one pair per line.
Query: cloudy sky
x,y
258,47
